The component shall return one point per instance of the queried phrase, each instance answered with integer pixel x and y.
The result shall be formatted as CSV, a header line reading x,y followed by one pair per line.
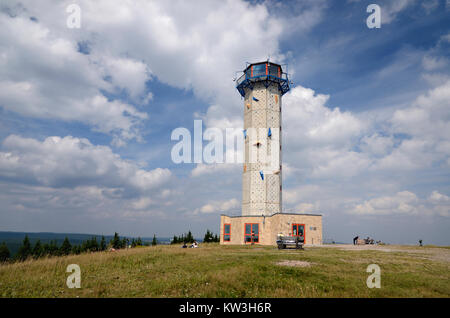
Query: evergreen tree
x,y
4,253
93,245
216,239
53,248
38,250
45,249
103,244
139,242
66,247
25,250
76,249
115,242
84,246
174,240
208,237
189,237
154,242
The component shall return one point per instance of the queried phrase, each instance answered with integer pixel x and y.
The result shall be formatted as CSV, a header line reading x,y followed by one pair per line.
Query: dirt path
x,y
439,254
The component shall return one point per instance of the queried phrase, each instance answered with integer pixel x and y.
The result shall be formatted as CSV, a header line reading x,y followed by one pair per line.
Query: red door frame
x,y
304,231
251,238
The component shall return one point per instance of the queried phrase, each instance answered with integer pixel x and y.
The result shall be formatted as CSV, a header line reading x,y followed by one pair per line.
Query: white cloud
x,y
430,5
391,9
376,144
307,120
205,169
218,207
128,74
431,63
405,203
71,162
44,76
127,45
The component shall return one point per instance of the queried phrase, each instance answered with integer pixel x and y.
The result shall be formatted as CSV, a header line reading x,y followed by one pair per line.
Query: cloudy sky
x,y
86,114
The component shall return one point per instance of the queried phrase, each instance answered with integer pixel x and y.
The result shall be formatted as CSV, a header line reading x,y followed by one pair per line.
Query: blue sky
x,y
86,114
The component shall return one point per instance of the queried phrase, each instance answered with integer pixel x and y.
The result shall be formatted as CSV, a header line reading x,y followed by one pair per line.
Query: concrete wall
x,y
261,197
271,226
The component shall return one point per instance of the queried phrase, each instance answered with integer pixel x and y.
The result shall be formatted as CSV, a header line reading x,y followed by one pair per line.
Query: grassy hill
x,y
235,271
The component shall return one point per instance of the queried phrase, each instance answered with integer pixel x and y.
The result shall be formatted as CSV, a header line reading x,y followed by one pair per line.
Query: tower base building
x,y
262,86
260,229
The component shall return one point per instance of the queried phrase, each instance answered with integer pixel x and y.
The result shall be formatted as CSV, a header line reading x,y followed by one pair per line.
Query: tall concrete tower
x,y
262,85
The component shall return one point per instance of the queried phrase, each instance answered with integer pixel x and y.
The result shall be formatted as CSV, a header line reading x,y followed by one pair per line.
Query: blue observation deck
x,y
265,72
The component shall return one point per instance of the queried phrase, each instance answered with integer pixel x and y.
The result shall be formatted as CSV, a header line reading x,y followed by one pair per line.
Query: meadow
x,y
235,271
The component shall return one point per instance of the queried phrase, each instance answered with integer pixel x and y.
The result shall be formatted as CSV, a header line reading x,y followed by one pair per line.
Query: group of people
x,y
193,245
367,240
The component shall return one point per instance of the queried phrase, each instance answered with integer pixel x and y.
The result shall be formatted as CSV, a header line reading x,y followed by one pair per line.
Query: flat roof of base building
x,y
283,213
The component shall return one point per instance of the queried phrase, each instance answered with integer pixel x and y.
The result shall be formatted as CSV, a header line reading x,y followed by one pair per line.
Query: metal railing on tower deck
x,y
265,72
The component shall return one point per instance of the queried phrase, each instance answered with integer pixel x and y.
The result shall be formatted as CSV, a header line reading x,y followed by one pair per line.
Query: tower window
x,y
227,232
251,233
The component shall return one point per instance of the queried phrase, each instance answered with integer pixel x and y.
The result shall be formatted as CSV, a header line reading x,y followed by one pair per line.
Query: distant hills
x,y
14,239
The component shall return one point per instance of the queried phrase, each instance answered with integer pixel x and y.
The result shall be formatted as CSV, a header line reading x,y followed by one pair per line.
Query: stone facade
x,y
268,227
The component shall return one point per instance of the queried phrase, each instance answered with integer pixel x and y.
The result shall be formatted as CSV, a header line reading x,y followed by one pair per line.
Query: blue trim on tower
x,y
247,81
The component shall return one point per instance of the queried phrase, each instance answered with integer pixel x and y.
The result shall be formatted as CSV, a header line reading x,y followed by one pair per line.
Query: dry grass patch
x,y
294,263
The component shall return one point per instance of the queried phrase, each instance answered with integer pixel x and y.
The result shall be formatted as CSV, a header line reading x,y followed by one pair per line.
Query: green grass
x,y
230,271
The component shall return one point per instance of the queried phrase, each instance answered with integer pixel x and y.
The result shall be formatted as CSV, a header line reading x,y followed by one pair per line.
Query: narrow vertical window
x,y
227,232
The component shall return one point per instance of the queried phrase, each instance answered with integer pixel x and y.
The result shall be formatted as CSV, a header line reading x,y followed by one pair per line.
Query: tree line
x,y
189,238
39,250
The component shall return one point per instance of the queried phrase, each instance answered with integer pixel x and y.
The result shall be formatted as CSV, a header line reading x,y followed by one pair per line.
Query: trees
x,y
103,244
184,238
66,247
25,250
4,253
93,245
115,242
38,250
154,242
124,243
90,245
51,249
189,237
210,238
76,249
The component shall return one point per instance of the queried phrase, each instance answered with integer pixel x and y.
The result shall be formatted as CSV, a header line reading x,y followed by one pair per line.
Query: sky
x,y
87,114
